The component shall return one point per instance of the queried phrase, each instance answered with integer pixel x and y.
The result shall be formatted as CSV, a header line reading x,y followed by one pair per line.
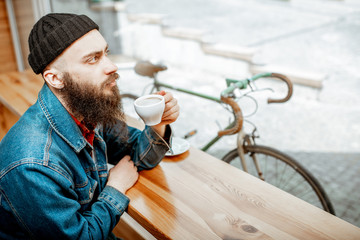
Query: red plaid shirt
x,y
88,134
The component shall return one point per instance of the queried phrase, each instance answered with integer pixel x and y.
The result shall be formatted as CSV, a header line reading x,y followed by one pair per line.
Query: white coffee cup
x,y
150,108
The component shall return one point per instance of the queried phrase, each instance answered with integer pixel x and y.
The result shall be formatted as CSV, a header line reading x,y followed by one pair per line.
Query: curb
x,y
145,18
229,51
183,33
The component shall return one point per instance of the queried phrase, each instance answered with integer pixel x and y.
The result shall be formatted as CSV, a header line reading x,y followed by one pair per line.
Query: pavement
x,y
319,126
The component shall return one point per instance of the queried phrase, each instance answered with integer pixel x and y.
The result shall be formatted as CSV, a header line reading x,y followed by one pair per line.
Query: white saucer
x,y
179,146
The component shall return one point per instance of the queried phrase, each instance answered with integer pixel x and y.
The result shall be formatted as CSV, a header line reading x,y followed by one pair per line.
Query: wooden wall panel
x,y
7,54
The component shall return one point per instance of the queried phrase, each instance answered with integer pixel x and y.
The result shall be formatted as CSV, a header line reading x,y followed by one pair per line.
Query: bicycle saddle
x,y
146,68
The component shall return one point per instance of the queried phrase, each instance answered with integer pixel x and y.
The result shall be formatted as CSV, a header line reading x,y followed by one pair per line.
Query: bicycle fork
x,y
243,140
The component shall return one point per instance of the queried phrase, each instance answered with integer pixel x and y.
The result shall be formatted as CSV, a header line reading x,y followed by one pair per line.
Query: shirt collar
x,y
87,132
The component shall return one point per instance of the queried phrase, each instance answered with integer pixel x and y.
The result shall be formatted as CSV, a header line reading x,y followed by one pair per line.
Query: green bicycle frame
x,y
158,84
232,84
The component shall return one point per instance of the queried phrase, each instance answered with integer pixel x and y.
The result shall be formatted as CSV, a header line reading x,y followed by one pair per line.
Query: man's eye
x,y
93,59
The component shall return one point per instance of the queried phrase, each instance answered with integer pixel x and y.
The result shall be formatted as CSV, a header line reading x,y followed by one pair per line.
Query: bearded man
x,y
54,179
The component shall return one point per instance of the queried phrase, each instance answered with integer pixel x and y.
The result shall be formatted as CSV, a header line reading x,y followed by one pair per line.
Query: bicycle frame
x,y
157,85
145,68
242,139
231,86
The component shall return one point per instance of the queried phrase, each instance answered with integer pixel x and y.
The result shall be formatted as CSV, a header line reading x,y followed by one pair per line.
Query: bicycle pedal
x,y
190,134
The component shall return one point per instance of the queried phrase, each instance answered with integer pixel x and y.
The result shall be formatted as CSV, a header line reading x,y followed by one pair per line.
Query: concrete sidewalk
x,y
320,127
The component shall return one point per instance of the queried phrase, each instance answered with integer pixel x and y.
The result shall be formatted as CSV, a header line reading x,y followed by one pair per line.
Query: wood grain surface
x,y
195,196
7,53
19,90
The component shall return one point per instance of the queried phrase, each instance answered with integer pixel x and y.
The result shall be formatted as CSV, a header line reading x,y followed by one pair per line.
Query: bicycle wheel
x,y
283,172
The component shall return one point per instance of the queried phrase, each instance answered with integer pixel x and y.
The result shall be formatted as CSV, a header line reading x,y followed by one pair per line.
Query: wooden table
x,y
196,196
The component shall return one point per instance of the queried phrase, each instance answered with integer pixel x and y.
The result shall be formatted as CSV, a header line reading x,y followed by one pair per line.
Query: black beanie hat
x,y
52,34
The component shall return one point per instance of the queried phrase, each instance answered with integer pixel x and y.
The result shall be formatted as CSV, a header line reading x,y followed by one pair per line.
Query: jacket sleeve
x,y
145,147
50,208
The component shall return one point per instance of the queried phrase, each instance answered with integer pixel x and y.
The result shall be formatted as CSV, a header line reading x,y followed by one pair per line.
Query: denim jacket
x,y
53,182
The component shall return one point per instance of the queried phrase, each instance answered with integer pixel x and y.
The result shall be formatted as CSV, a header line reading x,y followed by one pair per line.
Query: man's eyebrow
x,y
94,53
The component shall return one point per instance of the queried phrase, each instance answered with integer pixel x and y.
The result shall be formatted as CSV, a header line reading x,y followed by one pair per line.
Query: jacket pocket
x,y
85,191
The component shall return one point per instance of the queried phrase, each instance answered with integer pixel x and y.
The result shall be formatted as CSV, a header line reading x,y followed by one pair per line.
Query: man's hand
x,y
171,112
123,175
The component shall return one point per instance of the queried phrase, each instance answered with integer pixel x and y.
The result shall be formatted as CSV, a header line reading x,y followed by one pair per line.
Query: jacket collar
x,y
60,119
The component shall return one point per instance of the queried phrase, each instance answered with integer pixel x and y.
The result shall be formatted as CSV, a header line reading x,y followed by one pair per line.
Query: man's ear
x,y
54,78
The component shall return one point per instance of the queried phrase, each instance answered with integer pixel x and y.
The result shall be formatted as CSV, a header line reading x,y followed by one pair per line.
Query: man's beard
x,y
90,103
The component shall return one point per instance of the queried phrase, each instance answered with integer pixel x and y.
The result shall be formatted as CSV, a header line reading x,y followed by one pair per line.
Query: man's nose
x,y
110,67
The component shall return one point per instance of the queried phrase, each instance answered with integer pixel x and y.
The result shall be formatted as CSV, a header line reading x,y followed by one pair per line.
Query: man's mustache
x,y
113,77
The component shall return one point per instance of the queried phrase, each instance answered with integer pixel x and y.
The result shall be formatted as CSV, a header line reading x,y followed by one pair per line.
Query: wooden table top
x,y
196,196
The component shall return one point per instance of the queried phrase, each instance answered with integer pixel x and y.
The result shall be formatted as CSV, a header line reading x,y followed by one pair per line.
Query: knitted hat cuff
x,y
55,42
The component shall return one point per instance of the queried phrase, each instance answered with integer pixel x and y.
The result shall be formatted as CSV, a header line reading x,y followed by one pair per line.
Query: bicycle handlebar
x,y
238,117
289,85
242,84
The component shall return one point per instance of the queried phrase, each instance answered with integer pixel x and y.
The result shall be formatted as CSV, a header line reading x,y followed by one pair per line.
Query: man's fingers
x,y
171,113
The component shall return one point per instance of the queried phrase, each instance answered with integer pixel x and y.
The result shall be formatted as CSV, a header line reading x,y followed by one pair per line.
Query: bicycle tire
x,y
315,194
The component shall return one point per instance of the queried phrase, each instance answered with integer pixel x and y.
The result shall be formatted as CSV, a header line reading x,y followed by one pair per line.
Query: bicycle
x,y
266,163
